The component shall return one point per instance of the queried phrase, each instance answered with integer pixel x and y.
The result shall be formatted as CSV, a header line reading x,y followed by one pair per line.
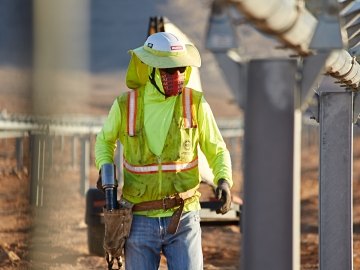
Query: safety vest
x,y
147,176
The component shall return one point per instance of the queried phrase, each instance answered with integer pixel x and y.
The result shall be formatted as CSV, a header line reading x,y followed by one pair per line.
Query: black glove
x,y
223,194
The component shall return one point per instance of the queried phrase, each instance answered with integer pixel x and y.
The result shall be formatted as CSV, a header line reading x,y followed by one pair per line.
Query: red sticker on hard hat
x,y
176,48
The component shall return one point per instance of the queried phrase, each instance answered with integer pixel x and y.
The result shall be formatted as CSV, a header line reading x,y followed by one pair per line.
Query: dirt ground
x,y
54,236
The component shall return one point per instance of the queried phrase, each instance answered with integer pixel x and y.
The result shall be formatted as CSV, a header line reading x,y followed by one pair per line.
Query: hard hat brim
x,y
190,58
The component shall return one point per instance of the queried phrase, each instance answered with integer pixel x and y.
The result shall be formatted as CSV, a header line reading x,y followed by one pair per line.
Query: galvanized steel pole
x,y
73,151
38,143
85,165
336,166
19,153
271,216
60,73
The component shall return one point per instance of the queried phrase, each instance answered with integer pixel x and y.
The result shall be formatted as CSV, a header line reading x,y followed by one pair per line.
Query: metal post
x,y
85,165
336,221
20,153
271,217
60,70
34,153
37,169
49,151
62,142
73,152
42,170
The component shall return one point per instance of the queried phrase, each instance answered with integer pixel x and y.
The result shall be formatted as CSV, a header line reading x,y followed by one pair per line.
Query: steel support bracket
x,y
327,34
312,68
221,35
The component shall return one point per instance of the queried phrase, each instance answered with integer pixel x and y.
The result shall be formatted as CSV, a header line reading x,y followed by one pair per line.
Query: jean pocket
x,y
191,217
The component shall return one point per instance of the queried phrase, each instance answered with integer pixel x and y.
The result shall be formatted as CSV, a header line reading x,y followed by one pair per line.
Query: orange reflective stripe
x,y
187,111
131,108
165,167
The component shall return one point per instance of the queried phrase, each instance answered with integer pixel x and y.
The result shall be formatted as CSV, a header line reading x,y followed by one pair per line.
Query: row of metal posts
x,y
41,155
272,146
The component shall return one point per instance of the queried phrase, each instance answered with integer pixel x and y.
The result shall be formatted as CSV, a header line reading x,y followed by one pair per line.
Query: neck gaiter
x,y
172,83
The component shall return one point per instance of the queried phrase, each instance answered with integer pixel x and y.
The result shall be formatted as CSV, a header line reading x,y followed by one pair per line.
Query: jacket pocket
x,y
186,182
133,189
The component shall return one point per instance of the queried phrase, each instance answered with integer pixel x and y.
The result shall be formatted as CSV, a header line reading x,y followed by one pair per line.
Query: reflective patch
x,y
165,167
132,108
176,48
187,113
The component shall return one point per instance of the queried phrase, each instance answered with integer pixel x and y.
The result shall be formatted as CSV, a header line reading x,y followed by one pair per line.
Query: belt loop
x,y
164,203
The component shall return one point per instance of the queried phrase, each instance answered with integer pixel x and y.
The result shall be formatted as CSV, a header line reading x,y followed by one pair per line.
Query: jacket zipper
x,y
160,174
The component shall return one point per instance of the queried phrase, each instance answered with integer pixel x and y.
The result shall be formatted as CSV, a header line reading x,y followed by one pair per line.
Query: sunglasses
x,y
173,70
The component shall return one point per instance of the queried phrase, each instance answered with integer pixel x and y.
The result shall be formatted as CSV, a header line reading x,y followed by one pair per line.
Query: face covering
x,y
172,80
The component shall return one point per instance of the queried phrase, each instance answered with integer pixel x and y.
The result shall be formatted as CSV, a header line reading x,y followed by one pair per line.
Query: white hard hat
x,y
165,50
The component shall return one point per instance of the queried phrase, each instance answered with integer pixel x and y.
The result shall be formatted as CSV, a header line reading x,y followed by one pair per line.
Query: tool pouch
x,y
117,230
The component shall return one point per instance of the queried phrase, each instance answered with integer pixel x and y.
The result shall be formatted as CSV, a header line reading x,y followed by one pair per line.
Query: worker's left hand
x,y
223,194
99,182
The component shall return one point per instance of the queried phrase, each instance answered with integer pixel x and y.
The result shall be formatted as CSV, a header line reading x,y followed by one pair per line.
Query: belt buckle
x,y
172,201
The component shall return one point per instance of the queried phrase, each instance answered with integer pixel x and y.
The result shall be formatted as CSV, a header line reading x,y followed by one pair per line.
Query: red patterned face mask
x,y
173,80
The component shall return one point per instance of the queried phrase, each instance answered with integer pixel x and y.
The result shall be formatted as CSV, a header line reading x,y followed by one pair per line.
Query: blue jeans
x,y
148,238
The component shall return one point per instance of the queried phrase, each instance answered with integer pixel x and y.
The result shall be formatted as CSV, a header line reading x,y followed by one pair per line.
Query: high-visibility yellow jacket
x,y
154,170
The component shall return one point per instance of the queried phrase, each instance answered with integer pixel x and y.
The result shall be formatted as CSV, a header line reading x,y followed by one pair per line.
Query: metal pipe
x,y
292,23
343,67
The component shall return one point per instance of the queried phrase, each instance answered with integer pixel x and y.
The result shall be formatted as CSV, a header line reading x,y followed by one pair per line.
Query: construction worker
x,y
161,123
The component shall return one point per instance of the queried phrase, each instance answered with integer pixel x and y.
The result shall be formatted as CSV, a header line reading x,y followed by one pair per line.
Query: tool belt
x,y
165,204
